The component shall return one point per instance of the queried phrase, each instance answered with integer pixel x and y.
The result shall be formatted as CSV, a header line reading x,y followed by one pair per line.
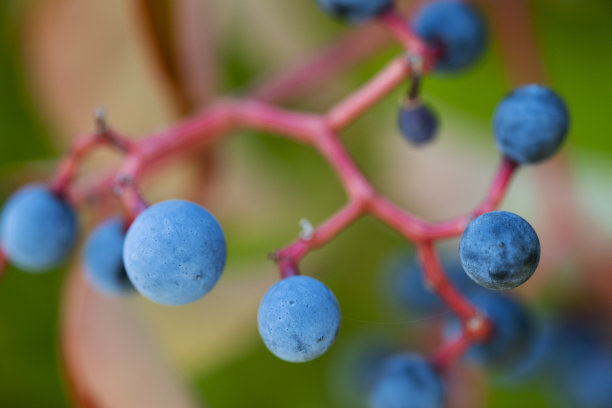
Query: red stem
x,y
357,103
451,351
3,263
495,195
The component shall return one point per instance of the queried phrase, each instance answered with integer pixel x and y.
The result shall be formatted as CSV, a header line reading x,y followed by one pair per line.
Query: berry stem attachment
x,y
405,36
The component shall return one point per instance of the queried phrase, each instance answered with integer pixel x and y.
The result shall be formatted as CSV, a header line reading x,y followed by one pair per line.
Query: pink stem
x,y
492,200
361,100
404,34
289,257
436,280
3,262
451,351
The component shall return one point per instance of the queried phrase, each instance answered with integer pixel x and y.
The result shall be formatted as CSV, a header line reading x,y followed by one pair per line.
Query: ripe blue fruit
x,y
298,319
356,363
39,228
174,252
530,124
455,27
355,10
417,123
499,250
103,258
512,330
407,380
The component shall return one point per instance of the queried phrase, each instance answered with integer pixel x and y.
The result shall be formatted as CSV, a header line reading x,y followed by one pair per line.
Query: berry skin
x,y
355,11
407,381
513,330
103,258
38,228
457,28
174,252
499,250
298,319
417,123
530,124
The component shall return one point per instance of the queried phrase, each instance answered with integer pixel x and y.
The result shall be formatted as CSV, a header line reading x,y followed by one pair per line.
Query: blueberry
x,y
298,319
39,228
457,28
103,258
530,124
417,123
407,381
174,252
356,364
355,11
513,330
499,250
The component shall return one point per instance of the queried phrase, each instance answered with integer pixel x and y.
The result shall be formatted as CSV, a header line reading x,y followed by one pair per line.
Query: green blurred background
x,y
575,38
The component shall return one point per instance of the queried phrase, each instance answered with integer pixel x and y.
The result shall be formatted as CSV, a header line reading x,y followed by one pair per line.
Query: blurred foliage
x,y
575,38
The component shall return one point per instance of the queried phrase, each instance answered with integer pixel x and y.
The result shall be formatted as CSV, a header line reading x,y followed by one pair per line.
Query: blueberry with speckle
x,y
407,380
38,228
417,123
174,252
530,124
103,258
499,250
298,319
456,28
355,11
513,330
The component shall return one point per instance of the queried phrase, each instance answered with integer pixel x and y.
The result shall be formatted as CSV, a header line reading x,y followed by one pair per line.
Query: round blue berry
x,y
355,11
530,124
39,228
512,330
407,381
103,258
417,123
455,27
298,319
174,252
499,250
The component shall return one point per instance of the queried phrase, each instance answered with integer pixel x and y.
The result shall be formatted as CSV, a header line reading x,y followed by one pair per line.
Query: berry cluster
x,y
174,252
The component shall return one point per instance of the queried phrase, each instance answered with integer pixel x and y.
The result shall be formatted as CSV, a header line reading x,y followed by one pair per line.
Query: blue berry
x,y
355,10
356,364
417,123
407,381
499,250
455,27
103,258
174,252
530,124
38,229
512,330
590,382
298,319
